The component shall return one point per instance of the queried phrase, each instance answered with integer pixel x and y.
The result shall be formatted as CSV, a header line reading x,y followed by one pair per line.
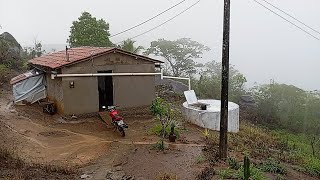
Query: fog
x,y
263,46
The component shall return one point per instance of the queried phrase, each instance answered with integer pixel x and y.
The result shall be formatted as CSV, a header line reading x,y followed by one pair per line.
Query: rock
x,y
13,111
85,176
118,168
118,175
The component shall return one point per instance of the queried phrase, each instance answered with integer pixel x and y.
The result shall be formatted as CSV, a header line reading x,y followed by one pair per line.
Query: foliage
x,y
312,167
233,163
157,108
225,173
9,55
164,114
255,173
206,133
200,159
273,166
178,54
288,107
128,45
157,130
209,83
159,146
88,31
33,52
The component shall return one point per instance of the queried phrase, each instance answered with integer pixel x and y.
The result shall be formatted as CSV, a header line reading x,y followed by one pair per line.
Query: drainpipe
x,y
54,75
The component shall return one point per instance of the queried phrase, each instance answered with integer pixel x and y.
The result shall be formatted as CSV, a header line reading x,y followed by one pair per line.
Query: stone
x,y
85,176
118,168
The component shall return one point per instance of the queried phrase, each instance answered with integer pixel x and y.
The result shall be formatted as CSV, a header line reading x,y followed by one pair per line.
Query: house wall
x,y
129,91
55,93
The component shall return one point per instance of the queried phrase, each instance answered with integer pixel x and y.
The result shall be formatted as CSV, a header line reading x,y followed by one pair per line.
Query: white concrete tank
x,y
210,118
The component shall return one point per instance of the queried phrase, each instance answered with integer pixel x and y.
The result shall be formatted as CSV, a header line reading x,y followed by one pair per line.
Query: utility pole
x,y
225,83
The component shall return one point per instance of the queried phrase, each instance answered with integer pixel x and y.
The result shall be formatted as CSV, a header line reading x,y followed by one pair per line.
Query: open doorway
x,y
105,87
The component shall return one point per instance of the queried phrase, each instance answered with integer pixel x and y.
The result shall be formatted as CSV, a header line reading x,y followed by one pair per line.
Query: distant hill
x,y
13,44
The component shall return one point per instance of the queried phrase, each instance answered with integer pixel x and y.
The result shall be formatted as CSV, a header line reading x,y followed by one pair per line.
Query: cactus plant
x,y
246,168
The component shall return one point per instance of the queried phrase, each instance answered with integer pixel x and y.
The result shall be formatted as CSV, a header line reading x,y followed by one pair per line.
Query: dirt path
x,y
89,143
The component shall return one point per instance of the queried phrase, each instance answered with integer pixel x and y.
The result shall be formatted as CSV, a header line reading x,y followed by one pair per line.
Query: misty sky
x,y
263,46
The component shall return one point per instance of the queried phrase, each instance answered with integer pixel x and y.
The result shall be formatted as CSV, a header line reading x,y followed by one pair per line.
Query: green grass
x,y
157,130
226,173
273,166
200,159
300,152
255,173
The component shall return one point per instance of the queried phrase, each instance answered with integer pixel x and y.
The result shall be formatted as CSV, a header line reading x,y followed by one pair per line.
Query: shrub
x,y
200,159
273,166
312,167
255,173
225,173
157,130
233,163
157,107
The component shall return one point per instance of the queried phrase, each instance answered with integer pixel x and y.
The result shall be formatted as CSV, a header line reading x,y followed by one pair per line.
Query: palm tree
x,y
128,45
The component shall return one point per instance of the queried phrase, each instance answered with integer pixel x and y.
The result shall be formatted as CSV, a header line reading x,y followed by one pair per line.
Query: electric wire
x,y
292,17
148,19
305,31
162,23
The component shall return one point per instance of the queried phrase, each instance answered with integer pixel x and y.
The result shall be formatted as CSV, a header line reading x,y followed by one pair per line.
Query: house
x,y
82,80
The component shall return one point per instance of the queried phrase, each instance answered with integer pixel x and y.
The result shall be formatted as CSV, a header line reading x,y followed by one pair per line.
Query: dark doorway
x,y
105,87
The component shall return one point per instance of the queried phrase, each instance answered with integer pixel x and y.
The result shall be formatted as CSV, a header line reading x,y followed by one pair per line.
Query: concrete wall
x,y
55,93
129,91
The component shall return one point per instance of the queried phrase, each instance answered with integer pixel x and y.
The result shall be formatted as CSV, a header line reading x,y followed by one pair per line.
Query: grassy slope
x,y
271,152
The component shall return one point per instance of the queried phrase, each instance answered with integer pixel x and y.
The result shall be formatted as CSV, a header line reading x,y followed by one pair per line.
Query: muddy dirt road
x,y
90,144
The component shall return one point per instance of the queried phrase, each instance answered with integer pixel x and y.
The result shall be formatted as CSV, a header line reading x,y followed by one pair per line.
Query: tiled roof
x,y
59,59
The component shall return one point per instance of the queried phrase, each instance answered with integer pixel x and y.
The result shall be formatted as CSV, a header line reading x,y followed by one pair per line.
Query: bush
x,y
157,107
157,130
273,166
226,173
312,167
233,163
255,173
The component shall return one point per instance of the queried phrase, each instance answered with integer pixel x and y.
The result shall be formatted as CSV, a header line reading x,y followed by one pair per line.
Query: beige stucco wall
x,y
55,93
129,91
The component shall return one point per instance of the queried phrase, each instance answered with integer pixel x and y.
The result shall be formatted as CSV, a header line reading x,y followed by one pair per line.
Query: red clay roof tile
x,y
59,59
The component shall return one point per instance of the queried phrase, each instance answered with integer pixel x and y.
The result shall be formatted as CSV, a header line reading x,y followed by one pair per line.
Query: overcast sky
x,y
263,46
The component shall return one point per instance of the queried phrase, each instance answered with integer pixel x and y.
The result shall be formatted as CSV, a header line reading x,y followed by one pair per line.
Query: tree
x,y
179,54
33,52
128,45
88,31
209,83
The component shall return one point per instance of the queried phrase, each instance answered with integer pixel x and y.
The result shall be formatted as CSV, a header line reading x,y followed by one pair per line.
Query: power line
x,y
163,22
148,19
292,17
287,20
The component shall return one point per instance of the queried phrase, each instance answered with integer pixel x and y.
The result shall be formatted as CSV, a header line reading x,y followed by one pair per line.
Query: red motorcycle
x,y
117,120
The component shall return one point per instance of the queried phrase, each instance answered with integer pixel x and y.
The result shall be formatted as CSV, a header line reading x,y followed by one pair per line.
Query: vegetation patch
x,y
13,167
273,166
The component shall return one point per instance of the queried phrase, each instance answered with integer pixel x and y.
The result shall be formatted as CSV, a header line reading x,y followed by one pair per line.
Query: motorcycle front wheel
x,y
121,130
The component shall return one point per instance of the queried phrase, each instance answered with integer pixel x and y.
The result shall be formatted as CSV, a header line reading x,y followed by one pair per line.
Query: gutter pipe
x,y
54,75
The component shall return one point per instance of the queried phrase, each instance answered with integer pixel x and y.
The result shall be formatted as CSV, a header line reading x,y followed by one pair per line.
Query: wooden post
x,y
225,82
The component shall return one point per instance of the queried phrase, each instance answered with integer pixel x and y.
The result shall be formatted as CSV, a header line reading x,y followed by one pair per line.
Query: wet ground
x,y
93,145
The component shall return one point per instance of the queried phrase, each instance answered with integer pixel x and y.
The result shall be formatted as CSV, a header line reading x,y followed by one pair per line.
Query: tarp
x,y
31,89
